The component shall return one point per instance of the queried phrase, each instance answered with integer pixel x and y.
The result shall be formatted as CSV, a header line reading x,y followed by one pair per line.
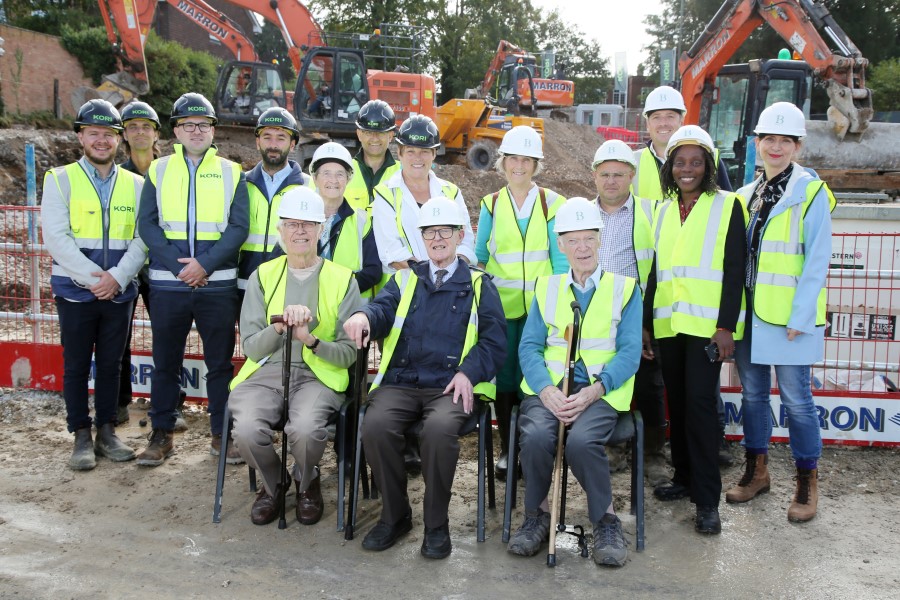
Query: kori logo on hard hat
x,y
418,138
196,109
102,118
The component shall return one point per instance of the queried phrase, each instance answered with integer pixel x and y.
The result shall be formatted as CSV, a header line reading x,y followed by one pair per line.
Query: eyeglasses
x,y
338,175
191,127
612,176
445,233
304,225
575,243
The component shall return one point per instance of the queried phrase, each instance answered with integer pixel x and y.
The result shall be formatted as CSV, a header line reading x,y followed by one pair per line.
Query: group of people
x,y
672,274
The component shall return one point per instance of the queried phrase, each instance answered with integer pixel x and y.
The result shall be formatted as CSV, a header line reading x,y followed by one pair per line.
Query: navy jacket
x,y
431,342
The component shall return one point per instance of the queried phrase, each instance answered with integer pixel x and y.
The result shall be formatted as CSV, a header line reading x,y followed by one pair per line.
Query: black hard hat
x,y
278,117
376,115
420,132
139,110
100,113
192,104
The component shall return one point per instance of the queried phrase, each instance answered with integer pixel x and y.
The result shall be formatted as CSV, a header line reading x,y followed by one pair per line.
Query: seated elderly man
x,y
445,333
315,296
607,358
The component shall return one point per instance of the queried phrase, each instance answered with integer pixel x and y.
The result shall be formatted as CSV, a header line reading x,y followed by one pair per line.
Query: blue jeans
x,y
796,397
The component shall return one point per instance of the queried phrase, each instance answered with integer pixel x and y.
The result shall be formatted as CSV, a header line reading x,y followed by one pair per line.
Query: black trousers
x,y
692,389
99,328
125,379
649,390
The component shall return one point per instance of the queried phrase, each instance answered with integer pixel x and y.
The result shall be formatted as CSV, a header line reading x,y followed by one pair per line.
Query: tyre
x,y
481,155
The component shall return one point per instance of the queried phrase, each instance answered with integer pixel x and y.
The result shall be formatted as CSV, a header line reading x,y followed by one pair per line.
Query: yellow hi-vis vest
x,y
357,193
642,238
334,281
394,198
780,262
348,247
406,281
517,260
689,266
597,343
263,234
646,182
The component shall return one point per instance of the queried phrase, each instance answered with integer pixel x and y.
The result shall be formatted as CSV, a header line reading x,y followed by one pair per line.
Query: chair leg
x,y
511,475
489,462
482,453
637,480
340,439
220,471
354,487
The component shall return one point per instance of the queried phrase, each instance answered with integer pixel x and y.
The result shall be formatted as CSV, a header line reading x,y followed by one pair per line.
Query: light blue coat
x,y
769,344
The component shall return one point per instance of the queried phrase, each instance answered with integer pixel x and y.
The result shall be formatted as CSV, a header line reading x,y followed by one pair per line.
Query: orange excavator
x,y
727,99
513,81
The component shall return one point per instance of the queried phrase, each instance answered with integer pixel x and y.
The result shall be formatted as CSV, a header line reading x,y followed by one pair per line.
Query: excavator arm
x,y
504,49
122,19
797,22
216,23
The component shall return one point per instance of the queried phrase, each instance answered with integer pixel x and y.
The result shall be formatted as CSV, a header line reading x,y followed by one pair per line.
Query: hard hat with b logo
x,y
614,150
577,214
302,204
782,118
331,152
522,140
664,98
687,135
440,211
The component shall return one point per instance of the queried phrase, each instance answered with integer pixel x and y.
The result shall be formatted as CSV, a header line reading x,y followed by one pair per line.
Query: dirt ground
x,y
123,531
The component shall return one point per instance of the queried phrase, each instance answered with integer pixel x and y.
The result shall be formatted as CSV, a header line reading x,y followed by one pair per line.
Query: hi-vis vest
x,y
406,281
597,344
642,238
646,182
517,260
334,281
780,261
215,182
689,266
357,193
348,247
263,234
103,236
394,197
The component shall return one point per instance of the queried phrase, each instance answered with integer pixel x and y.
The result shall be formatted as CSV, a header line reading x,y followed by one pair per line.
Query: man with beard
x,y
88,223
375,125
276,136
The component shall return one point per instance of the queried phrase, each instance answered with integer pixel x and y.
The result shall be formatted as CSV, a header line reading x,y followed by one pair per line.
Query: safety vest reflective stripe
x,y
254,239
515,284
211,220
263,219
217,275
646,176
357,193
334,281
406,282
599,329
512,258
348,248
642,239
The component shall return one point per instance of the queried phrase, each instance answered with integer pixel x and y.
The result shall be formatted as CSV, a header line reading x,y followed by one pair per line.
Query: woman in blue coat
x,y
788,252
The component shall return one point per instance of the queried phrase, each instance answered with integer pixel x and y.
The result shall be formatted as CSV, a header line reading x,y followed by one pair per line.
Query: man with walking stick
x,y
606,358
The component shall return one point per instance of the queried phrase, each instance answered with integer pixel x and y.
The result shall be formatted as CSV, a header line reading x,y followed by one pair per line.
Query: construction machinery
x,y
848,150
514,82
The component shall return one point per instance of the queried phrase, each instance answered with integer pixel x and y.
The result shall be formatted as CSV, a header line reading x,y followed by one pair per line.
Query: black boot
x,y
83,454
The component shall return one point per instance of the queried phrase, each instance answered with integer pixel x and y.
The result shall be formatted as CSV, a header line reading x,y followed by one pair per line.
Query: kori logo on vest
x,y
209,176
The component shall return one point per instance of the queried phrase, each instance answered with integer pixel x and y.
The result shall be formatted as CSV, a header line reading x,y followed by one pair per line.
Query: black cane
x,y
286,383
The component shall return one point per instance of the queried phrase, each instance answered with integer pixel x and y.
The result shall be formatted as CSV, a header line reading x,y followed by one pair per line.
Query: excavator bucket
x,y
867,161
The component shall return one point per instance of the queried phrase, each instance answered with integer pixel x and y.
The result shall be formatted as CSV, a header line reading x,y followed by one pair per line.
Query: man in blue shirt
x,y
607,357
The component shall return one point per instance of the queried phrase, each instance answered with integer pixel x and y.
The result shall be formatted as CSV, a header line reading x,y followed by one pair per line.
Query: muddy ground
x,y
123,531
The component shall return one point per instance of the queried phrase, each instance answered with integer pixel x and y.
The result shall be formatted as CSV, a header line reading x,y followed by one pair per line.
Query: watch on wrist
x,y
314,345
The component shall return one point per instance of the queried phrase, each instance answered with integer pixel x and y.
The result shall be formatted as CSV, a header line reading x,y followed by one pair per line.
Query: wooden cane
x,y
571,336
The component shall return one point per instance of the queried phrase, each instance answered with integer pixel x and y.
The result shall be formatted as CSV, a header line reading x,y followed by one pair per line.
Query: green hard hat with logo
x,y
192,104
139,110
376,115
278,117
100,113
420,132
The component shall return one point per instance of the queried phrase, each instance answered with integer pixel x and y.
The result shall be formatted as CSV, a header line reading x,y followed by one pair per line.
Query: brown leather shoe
x,y
309,503
265,507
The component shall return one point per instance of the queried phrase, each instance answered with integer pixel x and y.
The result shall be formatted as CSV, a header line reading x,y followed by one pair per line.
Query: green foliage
x,y
52,16
42,119
92,50
270,46
174,70
884,80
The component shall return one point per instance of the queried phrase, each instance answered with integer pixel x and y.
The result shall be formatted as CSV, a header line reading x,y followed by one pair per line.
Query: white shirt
x,y
433,269
391,246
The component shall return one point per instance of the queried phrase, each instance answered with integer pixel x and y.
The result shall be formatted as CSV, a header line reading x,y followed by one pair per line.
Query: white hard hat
x,y
302,204
614,150
664,98
690,134
522,140
782,118
440,211
331,152
577,214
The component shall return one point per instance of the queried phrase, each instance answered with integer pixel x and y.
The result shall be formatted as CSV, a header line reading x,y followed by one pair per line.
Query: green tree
x,y
884,80
582,58
52,16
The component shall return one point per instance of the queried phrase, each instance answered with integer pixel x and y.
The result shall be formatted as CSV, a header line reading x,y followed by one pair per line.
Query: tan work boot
x,y
655,470
160,448
754,482
806,498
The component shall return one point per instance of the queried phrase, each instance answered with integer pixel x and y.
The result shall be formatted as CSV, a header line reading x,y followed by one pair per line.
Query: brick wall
x,y
43,60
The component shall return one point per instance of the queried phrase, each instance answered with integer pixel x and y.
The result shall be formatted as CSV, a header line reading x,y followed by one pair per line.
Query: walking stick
x,y
571,335
361,377
286,383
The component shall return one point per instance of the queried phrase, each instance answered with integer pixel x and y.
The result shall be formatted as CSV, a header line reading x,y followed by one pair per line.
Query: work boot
x,y
609,542
310,505
618,461
180,423
233,457
806,498
122,413
671,491
725,457
527,539
655,470
109,445
707,520
754,482
83,458
161,446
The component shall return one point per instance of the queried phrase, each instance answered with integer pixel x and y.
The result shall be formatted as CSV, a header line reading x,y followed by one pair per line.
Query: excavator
x,y
517,88
848,150
133,19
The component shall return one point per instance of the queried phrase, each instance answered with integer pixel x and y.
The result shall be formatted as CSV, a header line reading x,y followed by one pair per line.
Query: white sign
x,y
193,376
